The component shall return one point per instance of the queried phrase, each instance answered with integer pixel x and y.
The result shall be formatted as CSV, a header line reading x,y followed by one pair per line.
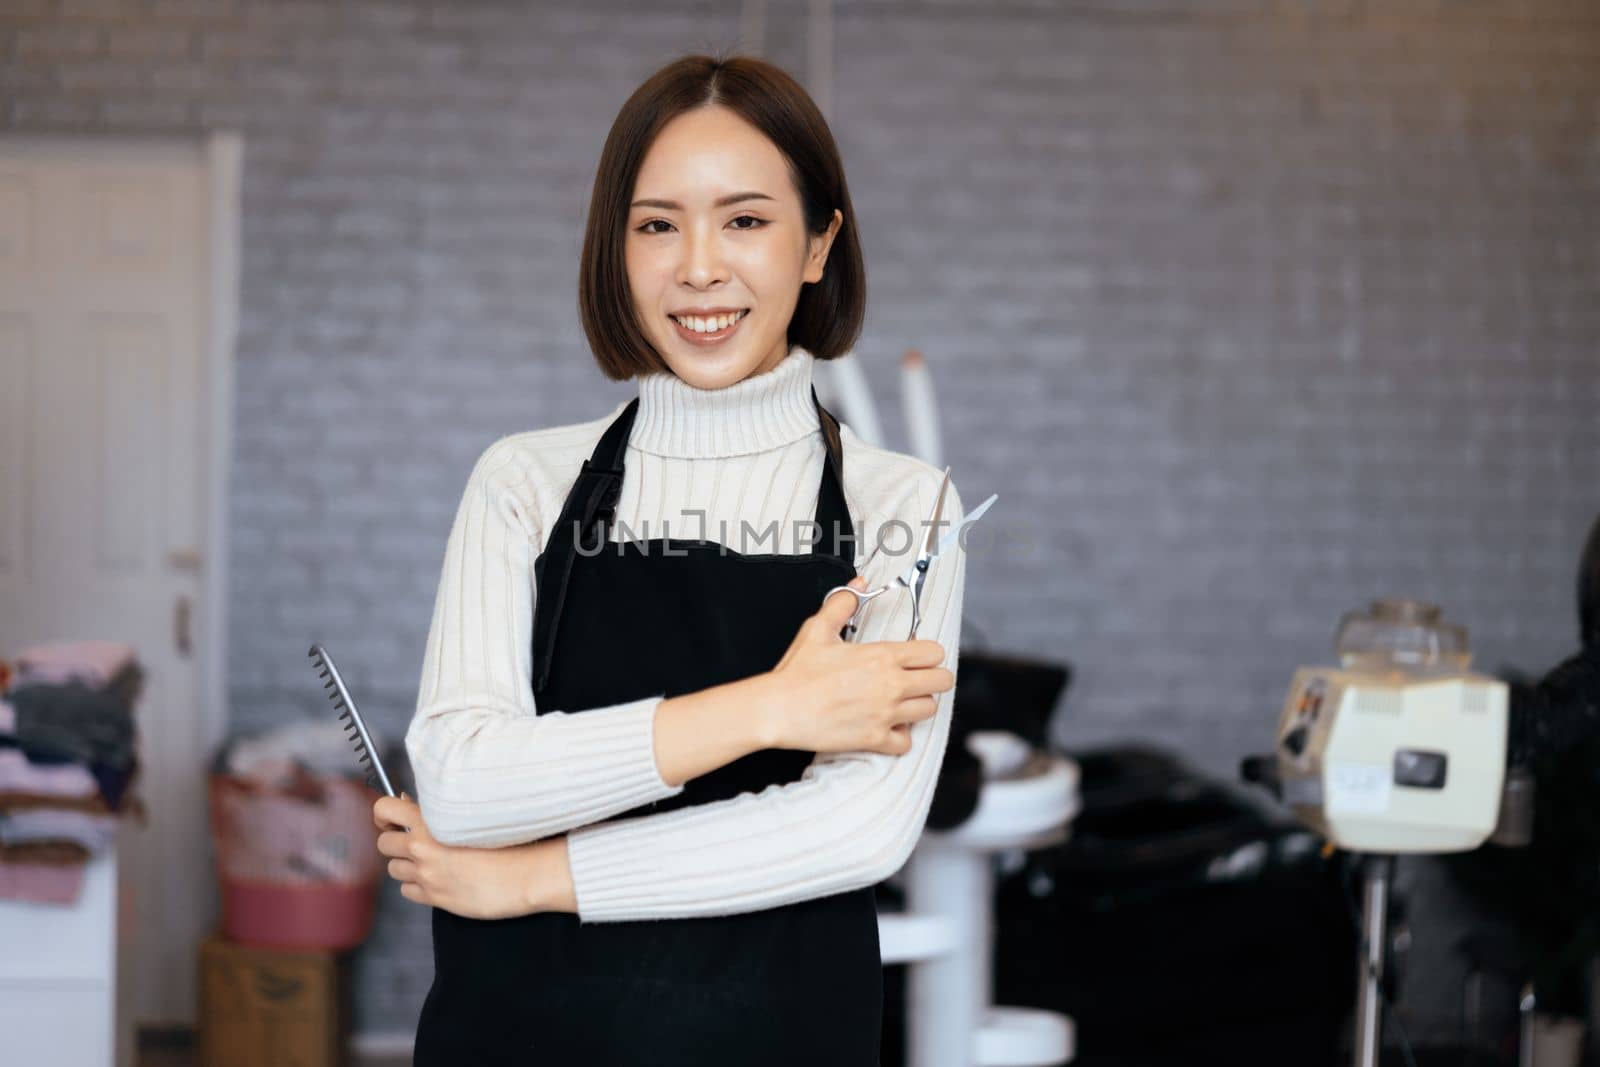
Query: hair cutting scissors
x,y
914,576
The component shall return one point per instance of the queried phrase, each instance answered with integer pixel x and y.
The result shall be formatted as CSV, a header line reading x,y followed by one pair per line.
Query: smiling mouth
x,y
704,331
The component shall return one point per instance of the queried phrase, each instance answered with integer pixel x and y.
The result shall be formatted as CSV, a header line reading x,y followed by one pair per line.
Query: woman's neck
x,y
762,412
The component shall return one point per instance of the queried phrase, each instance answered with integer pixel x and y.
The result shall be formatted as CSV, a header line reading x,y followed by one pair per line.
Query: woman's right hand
x,y
831,695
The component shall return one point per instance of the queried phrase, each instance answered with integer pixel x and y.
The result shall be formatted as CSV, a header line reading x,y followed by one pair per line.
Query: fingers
x,y
925,682
913,710
400,845
907,713
919,653
382,814
898,743
395,813
395,843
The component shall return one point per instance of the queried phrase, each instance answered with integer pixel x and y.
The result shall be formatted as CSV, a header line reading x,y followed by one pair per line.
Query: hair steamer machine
x,y
1400,749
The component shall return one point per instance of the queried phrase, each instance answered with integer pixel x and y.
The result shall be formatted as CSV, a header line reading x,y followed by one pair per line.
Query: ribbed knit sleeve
x,y
851,820
489,771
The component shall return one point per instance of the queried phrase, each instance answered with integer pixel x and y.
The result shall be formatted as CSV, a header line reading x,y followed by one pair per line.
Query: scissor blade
x,y
929,549
949,538
972,516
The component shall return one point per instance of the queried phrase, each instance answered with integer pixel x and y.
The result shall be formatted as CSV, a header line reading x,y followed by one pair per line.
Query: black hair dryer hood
x,y
1589,589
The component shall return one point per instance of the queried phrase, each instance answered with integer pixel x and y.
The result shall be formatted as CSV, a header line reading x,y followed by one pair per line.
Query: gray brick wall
x,y
1250,310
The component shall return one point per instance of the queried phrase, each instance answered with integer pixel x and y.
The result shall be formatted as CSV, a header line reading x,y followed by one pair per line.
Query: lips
x,y
689,315
695,337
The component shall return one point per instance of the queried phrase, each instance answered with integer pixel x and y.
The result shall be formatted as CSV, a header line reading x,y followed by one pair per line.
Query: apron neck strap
x,y
600,485
583,521
837,534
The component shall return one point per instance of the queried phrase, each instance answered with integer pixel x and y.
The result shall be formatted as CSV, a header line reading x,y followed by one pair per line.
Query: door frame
x,y
220,155
223,152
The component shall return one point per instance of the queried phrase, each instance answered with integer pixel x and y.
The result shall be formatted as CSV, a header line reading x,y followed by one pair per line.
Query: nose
x,y
702,263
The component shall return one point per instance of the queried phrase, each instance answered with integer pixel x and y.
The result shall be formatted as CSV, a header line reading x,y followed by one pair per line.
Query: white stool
x,y
946,935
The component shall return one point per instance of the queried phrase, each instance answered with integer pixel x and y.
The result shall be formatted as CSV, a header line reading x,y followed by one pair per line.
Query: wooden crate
x,y
272,1008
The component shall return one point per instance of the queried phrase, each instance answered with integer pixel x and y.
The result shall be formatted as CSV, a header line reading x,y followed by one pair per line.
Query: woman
x,y
656,785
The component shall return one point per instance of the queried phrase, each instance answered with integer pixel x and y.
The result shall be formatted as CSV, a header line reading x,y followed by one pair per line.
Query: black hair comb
x,y
354,725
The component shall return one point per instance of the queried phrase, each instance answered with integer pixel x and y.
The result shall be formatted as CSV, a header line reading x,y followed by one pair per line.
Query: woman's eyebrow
x,y
673,205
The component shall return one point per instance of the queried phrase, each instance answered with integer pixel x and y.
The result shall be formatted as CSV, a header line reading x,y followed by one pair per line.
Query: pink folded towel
x,y
92,662
41,883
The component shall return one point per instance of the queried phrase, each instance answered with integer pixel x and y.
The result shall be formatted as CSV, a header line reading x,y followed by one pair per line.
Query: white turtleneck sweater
x,y
699,463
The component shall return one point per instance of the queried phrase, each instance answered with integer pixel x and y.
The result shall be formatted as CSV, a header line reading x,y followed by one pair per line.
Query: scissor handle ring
x,y
849,630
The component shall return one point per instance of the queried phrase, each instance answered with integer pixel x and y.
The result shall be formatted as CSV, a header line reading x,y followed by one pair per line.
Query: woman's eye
x,y
758,223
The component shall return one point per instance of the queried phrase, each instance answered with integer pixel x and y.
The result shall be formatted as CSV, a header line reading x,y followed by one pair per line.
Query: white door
x,y
106,457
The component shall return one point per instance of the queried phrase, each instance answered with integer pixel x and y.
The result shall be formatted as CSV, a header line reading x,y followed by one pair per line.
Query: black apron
x,y
799,984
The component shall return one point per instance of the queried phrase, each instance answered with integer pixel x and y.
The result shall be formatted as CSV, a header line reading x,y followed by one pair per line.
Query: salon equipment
x,y
1185,921
1546,894
921,407
1401,749
844,388
843,385
1003,706
355,726
1589,589
914,576
997,694
946,935
1561,710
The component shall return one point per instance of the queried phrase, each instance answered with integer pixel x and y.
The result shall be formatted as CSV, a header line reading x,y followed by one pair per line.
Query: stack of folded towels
x,y
68,760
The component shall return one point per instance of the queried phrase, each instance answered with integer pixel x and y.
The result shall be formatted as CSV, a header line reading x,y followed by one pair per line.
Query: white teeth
x,y
711,325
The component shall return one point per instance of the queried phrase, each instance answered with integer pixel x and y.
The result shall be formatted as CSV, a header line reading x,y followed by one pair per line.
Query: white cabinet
x,y
58,969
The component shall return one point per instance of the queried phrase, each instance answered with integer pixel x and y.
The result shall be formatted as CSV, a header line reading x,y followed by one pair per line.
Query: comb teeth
x,y
355,729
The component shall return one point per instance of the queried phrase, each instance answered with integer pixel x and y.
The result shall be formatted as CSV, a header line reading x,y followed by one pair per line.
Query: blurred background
x,y
1250,310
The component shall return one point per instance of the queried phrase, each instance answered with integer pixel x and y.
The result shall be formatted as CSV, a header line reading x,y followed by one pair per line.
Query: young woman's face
x,y
716,226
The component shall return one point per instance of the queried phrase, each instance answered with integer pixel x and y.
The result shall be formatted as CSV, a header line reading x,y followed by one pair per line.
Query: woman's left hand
x,y
476,883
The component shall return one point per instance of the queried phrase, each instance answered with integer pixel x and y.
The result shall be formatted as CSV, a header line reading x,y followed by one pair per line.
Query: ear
x,y
818,246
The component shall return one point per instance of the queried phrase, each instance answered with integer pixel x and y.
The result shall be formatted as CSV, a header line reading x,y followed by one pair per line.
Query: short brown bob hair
x,y
828,317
